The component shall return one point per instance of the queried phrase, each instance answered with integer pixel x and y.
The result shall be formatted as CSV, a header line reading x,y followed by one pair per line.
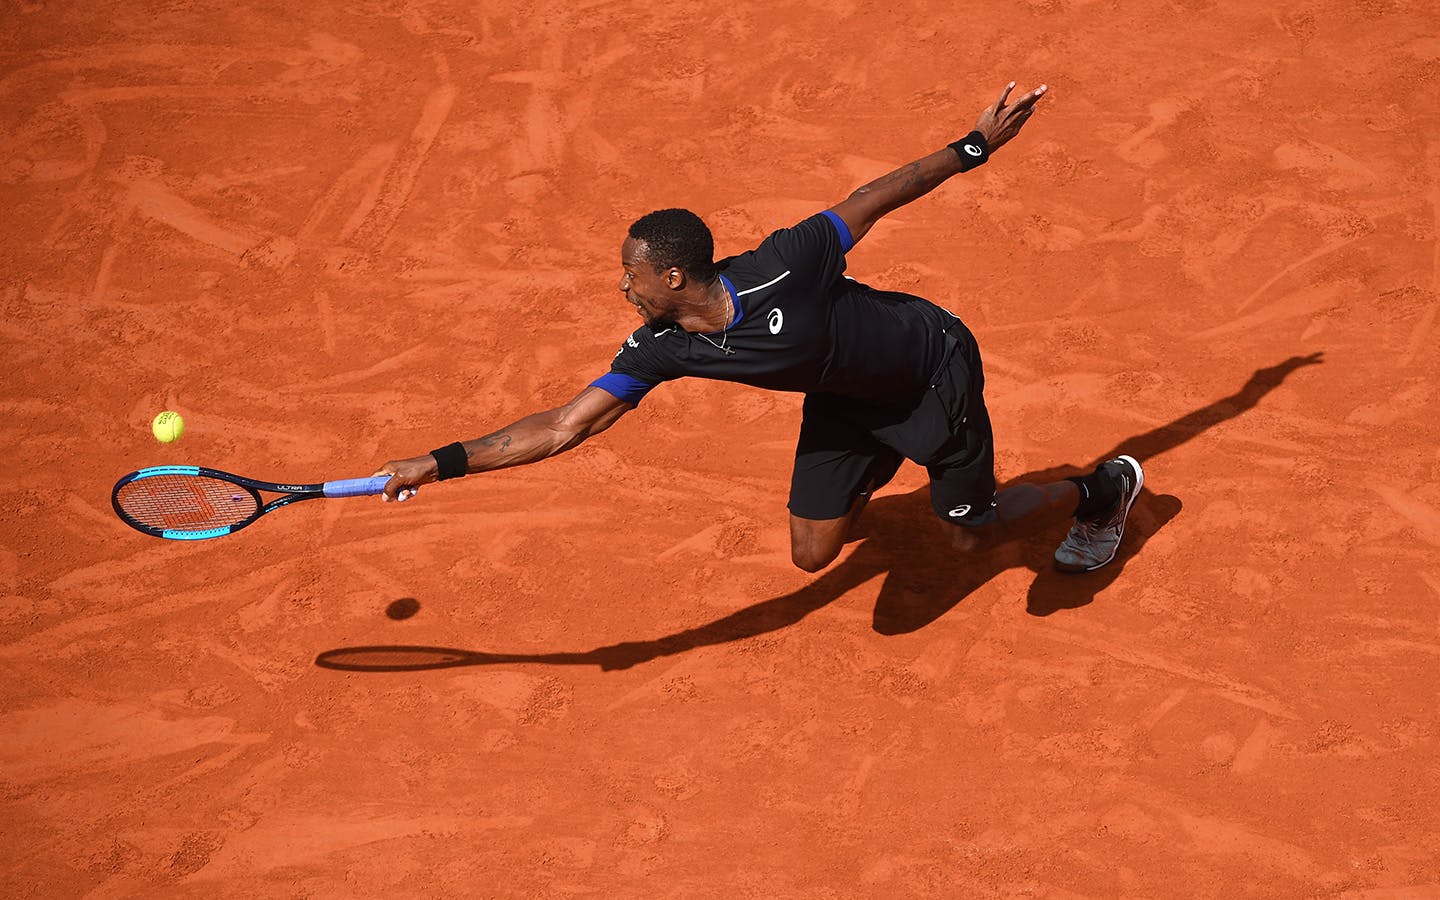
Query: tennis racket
x,y
192,503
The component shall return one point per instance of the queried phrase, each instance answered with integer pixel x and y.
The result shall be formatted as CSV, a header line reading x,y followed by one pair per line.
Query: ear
x,y
675,278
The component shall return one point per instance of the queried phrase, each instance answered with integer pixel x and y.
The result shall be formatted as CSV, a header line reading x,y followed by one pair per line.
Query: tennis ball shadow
x,y
403,608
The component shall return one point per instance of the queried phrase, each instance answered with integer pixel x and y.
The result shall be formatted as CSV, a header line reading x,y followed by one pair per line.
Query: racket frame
x,y
291,493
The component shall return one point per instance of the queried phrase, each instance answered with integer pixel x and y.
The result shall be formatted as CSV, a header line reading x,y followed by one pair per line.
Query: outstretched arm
x,y
996,126
531,439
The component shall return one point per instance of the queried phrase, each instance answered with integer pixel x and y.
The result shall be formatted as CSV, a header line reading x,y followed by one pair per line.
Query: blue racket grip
x,y
356,487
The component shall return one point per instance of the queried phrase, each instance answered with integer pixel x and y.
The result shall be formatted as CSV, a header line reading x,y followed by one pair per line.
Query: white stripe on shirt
x,y
763,286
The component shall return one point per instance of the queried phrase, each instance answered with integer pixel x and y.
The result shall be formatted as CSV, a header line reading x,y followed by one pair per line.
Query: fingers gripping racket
x,y
191,503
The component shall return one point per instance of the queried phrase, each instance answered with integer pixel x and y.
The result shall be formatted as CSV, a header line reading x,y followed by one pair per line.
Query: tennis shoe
x,y
1091,544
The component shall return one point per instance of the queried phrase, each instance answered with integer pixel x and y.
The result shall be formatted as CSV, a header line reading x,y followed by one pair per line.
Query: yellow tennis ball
x,y
167,427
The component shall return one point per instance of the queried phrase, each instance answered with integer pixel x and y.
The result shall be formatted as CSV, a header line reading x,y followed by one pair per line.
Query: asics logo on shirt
x,y
777,320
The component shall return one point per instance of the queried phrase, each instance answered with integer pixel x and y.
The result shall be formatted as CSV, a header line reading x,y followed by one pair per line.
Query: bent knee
x,y
814,544
812,559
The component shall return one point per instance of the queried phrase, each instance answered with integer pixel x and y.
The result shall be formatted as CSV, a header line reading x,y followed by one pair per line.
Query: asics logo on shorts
x,y
960,511
777,320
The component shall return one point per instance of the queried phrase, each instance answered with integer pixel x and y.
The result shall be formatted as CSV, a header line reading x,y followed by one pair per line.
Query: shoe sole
x,y
1134,495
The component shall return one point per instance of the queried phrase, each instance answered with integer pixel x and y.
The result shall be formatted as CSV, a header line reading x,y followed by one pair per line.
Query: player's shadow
x,y
924,577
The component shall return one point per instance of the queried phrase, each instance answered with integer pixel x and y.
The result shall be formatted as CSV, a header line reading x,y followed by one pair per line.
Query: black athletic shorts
x,y
843,440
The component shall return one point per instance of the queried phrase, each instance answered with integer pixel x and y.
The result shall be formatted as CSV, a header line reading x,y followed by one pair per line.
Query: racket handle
x,y
356,487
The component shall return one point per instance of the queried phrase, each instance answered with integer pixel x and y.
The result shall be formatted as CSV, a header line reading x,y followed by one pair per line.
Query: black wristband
x,y
451,461
972,150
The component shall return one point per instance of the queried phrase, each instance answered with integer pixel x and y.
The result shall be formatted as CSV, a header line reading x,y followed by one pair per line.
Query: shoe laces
x,y
1087,532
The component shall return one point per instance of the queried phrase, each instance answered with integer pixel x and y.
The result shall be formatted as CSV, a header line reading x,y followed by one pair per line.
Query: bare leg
x,y
1021,508
814,543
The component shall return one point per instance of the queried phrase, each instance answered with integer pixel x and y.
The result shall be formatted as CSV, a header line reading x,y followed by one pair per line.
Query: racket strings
x,y
186,502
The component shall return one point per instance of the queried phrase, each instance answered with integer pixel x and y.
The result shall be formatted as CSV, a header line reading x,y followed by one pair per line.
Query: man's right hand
x,y
531,439
406,476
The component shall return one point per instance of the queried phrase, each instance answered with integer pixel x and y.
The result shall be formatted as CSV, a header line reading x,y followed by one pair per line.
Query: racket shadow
x,y
924,578
416,658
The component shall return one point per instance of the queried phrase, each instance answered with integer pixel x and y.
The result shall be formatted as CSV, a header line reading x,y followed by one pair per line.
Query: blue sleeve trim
x,y
846,241
626,388
735,299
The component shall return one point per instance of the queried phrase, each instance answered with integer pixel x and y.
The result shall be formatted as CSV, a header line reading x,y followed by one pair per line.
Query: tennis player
x,y
886,376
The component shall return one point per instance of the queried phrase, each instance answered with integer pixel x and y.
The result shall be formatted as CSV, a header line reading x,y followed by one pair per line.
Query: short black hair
x,y
677,237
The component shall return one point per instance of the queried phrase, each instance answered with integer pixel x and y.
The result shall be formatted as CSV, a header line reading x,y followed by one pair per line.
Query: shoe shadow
x,y
924,577
929,579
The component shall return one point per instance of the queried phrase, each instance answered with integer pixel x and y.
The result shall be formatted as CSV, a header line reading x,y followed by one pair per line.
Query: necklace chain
x,y
723,346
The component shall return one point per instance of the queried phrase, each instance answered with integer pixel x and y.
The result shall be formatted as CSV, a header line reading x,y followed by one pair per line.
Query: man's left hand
x,y
1000,123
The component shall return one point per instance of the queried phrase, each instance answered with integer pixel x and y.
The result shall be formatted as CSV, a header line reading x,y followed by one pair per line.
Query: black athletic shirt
x,y
800,325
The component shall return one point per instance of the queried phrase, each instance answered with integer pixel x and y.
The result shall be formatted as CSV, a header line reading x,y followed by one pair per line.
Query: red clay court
x,y
338,235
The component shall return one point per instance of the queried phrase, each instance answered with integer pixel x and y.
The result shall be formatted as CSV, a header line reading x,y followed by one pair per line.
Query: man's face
x,y
648,291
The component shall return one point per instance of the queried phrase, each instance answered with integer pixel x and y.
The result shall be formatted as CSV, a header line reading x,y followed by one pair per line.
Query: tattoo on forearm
x,y
903,178
499,440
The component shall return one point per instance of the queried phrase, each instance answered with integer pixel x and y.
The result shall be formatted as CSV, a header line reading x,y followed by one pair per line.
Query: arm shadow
x,y
924,578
